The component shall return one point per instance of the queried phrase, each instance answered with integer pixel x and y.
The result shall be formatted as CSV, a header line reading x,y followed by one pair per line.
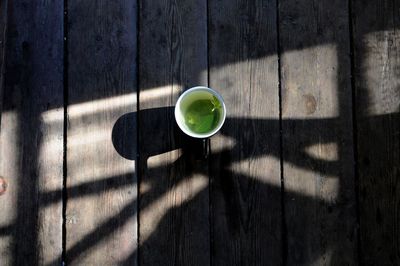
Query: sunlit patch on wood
x,y
326,152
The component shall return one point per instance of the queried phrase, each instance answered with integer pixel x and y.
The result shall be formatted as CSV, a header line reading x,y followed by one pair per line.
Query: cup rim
x,y
179,122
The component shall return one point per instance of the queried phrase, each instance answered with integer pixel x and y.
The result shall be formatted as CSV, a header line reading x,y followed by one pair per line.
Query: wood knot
x,y
310,103
3,185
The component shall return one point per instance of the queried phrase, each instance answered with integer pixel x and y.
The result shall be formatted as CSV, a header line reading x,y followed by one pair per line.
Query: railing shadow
x,y
303,160
125,130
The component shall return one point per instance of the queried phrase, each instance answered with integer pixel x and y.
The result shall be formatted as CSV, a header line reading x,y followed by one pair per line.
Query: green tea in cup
x,y
200,112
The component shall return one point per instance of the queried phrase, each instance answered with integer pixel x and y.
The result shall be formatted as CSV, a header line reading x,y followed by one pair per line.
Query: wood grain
x,y
174,214
101,211
318,165
376,40
31,149
245,168
229,208
3,31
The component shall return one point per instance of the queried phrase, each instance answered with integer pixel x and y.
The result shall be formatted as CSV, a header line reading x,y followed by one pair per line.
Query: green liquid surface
x,y
202,116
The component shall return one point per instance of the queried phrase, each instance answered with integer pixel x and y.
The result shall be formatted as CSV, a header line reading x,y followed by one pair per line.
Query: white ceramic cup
x,y
187,98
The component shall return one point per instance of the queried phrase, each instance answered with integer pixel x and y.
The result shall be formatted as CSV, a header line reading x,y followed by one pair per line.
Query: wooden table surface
x,y
305,171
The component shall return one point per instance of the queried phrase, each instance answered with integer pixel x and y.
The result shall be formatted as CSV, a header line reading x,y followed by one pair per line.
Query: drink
x,y
200,112
202,116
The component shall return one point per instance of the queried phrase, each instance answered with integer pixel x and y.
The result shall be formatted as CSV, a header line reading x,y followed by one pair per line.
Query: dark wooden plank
x,y
101,214
174,213
31,147
245,164
3,31
376,38
318,164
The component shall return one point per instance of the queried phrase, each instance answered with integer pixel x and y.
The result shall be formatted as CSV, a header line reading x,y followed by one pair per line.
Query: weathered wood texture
x,y
31,148
376,37
101,212
318,168
245,168
3,31
174,203
229,209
